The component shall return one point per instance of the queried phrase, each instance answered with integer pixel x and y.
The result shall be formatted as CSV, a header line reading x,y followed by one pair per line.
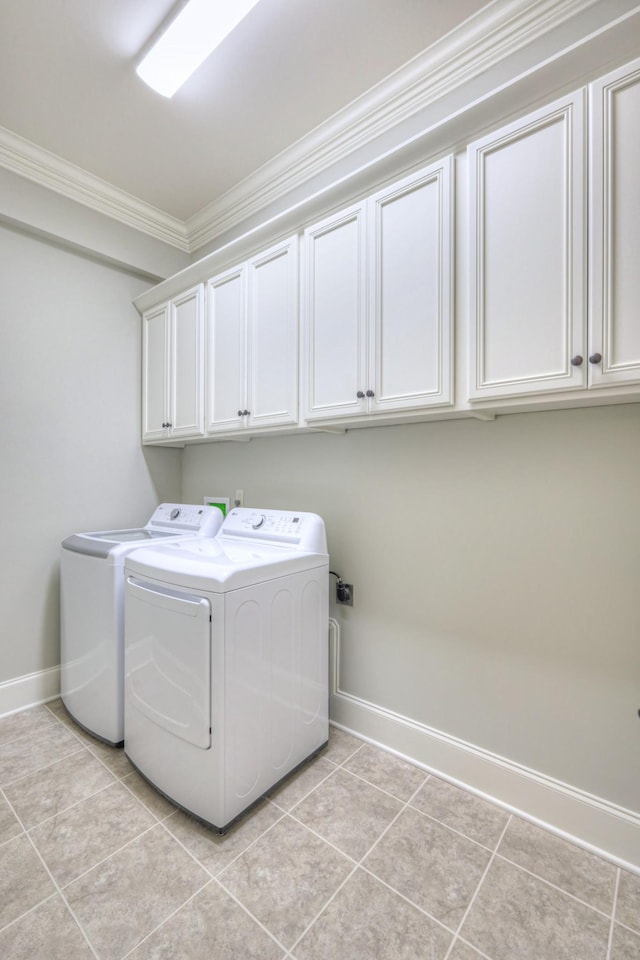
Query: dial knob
x,y
174,513
258,523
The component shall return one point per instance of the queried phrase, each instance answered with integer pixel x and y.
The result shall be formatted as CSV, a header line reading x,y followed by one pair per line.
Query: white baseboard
x,y
596,824
27,691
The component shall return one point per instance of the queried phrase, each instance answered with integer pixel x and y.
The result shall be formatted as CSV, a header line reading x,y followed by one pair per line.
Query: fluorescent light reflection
x,y
188,40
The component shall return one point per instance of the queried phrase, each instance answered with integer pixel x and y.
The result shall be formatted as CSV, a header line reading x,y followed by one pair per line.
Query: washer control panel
x,y
192,518
304,530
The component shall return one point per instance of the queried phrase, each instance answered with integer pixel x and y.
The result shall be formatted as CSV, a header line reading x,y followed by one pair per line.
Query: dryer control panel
x,y
293,528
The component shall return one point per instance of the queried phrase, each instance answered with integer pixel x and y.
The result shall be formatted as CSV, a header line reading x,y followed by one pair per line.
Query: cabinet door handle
x,y
370,393
595,358
577,360
245,413
240,413
166,424
360,394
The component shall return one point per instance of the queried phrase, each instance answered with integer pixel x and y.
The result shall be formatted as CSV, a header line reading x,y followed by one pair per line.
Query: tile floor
x,y
359,856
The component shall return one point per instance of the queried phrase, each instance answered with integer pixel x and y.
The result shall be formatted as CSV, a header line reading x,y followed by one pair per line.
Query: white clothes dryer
x,y
92,612
226,660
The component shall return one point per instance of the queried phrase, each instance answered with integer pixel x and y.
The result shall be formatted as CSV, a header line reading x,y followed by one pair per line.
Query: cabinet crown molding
x,y
497,34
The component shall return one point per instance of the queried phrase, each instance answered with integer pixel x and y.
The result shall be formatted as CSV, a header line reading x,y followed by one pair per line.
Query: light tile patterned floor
x,y
359,856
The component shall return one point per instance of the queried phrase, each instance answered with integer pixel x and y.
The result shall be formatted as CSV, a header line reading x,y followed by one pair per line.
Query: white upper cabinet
x,y
527,230
252,369
173,358
226,350
155,373
335,312
614,313
378,308
410,289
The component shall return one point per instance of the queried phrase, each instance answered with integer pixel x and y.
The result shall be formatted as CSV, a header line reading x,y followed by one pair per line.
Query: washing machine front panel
x,y
92,611
168,660
91,615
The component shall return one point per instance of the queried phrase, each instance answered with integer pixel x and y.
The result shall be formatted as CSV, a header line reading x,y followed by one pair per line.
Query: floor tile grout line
x,y
214,876
40,770
113,853
614,908
319,836
369,783
32,909
403,896
357,865
272,797
476,891
458,939
554,886
58,889
142,802
625,926
447,826
246,910
7,717
159,926
324,907
71,806
20,824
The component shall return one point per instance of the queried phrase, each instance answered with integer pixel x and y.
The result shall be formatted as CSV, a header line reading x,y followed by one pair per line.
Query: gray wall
x,y
496,570
69,431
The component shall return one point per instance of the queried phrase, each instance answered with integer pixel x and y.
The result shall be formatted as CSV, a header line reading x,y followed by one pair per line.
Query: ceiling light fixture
x,y
188,40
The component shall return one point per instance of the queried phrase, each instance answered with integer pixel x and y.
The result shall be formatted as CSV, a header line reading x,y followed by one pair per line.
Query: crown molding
x,y
460,61
27,159
491,36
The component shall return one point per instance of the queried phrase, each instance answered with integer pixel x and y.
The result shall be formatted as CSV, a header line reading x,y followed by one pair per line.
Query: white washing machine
x,y
92,612
226,660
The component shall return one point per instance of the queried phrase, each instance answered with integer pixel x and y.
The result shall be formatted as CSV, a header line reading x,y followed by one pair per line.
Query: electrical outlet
x,y
344,593
238,500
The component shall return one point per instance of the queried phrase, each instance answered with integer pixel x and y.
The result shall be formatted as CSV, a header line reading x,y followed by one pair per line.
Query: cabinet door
x,y
272,336
410,262
614,317
226,352
186,401
335,315
155,373
527,302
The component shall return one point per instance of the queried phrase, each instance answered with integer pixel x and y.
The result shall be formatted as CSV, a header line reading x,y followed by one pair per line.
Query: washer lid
x,y
103,543
219,564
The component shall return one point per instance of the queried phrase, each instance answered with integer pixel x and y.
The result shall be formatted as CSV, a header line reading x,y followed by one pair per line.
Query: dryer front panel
x,y
168,660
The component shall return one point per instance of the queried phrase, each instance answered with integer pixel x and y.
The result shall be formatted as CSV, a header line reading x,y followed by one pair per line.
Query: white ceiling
x,y
68,84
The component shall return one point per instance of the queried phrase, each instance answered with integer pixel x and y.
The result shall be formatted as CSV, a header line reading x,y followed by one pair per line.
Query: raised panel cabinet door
x,y
155,373
334,370
226,352
272,333
528,272
186,400
411,292
614,318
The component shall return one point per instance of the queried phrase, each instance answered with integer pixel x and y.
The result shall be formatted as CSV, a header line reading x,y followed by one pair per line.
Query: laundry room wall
x,y
496,570
70,431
